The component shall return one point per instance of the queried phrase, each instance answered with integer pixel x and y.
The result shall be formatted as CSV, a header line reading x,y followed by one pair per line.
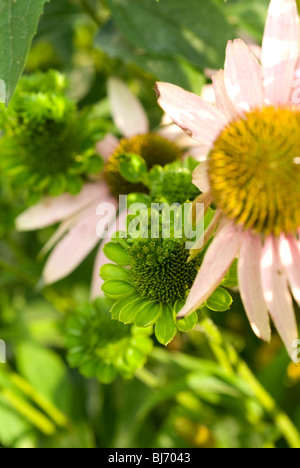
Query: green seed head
x,y
102,347
160,269
45,146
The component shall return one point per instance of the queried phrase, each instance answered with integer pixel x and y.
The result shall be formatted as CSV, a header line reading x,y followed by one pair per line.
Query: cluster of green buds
x,y
149,279
102,348
171,183
46,147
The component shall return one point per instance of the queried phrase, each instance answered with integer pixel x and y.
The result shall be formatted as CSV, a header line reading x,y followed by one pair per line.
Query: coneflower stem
x,y
147,378
229,359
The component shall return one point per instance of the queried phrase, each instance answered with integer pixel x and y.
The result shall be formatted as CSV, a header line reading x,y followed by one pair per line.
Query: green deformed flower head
x,y
153,148
160,269
151,277
44,147
101,347
173,182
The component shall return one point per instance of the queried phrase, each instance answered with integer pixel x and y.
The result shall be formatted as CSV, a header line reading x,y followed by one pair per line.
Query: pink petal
x,y
200,177
209,232
198,152
290,259
200,207
101,259
172,132
251,286
54,209
208,94
280,50
243,76
277,294
256,50
223,102
65,226
62,229
198,118
217,261
76,245
127,111
107,146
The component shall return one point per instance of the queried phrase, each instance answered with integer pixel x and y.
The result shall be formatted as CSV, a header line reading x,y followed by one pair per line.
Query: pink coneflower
x,y
252,173
77,235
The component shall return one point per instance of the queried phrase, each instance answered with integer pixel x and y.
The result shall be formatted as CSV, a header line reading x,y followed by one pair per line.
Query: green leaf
x,y
248,15
18,24
219,301
45,371
89,368
58,185
202,384
138,198
171,69
142,343
94,165
231,279
133,167
188,323
116,289
165,328
106,373
13,425
148,314
135,358
194,30
119,306
128,313
116,253
65,14
110,271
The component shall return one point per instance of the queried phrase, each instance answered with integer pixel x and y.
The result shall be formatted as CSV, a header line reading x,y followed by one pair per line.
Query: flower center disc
x,y
153,148
254,171
160,269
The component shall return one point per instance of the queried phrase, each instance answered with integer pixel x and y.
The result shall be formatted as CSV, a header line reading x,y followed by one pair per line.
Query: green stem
x,y
147,378
217,344
229,359
29,412
54,413
281,419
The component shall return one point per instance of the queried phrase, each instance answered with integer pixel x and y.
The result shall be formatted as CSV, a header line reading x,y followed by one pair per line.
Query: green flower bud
x,y
133,167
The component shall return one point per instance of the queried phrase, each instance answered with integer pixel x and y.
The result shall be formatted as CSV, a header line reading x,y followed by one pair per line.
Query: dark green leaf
x,y
194,30
173,69
18,24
